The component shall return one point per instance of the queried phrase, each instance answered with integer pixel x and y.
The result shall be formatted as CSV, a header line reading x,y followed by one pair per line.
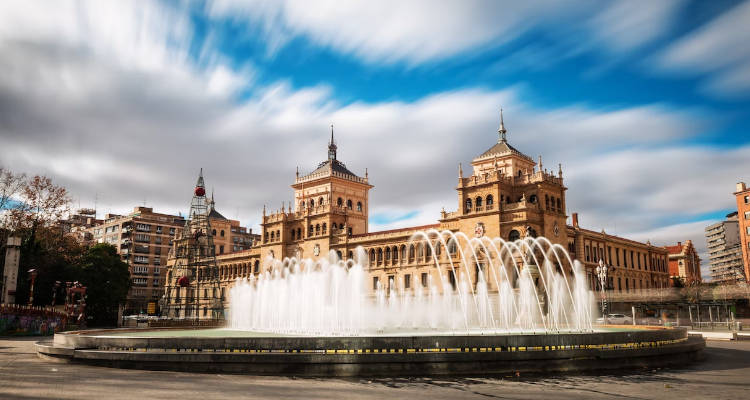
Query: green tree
x,y
107,281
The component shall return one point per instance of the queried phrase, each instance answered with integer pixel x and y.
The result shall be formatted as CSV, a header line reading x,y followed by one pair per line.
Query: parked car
x,y
616,319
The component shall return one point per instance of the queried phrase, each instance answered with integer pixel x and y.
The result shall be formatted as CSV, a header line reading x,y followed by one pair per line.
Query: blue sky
x,y
645,104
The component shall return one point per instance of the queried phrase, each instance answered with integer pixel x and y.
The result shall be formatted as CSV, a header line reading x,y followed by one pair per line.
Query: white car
x,y
615,319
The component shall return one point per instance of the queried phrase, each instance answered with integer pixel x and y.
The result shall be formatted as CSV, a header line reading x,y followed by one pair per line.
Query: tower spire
x,y
332,147
502,131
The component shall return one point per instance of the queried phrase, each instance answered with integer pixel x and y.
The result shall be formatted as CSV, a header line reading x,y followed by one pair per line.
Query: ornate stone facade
x,y
507,194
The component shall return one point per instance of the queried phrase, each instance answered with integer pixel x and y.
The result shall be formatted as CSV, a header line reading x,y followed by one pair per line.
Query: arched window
x,y
395,253
213,232
489,201
299,233
339,202
468,205
420,250
478,202
349,204
532,232
293,234
411,252
317,229
546,202
310,231
380,256
272,236
320,201
372,255
532,199
359,206
278,235
324,228
403,251
514,235
338,254
349,255
256,267
452,248
519,173
222,233
558,204
552,202
387,253
312,203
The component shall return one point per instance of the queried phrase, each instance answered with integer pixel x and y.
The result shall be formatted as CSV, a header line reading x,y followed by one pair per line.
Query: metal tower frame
x,y
195,269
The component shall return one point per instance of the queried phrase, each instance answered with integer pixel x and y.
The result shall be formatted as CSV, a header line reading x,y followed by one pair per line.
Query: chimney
x,y
575,220
741,187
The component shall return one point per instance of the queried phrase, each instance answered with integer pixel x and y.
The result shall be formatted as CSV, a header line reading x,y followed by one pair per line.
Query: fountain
x,y
509,293
485,306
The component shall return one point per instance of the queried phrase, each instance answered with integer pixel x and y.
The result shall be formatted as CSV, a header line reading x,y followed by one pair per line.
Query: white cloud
x,y
100,120
718,49
421,31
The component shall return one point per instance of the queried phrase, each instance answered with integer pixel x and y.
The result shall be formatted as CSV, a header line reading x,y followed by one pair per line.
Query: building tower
x,y
193,289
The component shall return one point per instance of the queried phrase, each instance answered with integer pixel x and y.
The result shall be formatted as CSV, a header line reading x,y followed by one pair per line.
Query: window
x,y
374,283
325,227
171,231
222,233
359,206
424,279
350,231
747,214
478,202
489,201
407,281
256,267
213,232
221,249
320,201
514,235
747,199
349,204
317,229
468,205
339,202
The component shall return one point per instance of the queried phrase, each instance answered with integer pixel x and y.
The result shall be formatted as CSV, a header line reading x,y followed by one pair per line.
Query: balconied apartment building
x,y
725,251
142,239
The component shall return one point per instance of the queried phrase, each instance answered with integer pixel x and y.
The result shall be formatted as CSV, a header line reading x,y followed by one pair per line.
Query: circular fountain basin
x,y
379,354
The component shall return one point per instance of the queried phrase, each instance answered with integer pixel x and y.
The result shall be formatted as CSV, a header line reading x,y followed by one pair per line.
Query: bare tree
x,y
42,203
11,186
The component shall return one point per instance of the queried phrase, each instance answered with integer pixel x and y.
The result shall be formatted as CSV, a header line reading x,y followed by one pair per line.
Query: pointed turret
x,y
332,147
501,130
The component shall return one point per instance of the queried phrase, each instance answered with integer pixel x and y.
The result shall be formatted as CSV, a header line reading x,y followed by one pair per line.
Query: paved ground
x,y
724,374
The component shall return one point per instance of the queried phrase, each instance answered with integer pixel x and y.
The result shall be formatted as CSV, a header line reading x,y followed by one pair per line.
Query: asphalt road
x,y
724,374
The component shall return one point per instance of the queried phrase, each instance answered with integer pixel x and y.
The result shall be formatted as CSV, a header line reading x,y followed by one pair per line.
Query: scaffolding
x,y
192,287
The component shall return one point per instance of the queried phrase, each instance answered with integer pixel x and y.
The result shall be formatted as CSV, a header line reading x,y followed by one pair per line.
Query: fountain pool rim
x,y
403,355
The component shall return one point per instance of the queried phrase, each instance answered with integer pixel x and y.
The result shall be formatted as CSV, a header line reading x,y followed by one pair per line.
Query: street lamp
x,y
601,273
32,273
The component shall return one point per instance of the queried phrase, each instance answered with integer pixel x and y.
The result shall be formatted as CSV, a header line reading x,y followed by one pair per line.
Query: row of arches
x,y
411,254
480,203
312,203
552,203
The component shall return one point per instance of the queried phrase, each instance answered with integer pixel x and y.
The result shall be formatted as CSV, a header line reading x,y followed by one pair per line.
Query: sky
x,y
644,103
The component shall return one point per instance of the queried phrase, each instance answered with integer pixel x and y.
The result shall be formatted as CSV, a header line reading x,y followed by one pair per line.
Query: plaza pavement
x,y
724,374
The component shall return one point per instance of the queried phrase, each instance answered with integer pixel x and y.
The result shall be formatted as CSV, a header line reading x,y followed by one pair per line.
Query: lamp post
x,y
601,273
32,273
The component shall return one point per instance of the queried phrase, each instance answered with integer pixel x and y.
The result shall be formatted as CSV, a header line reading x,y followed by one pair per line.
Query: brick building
x,y
507,195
